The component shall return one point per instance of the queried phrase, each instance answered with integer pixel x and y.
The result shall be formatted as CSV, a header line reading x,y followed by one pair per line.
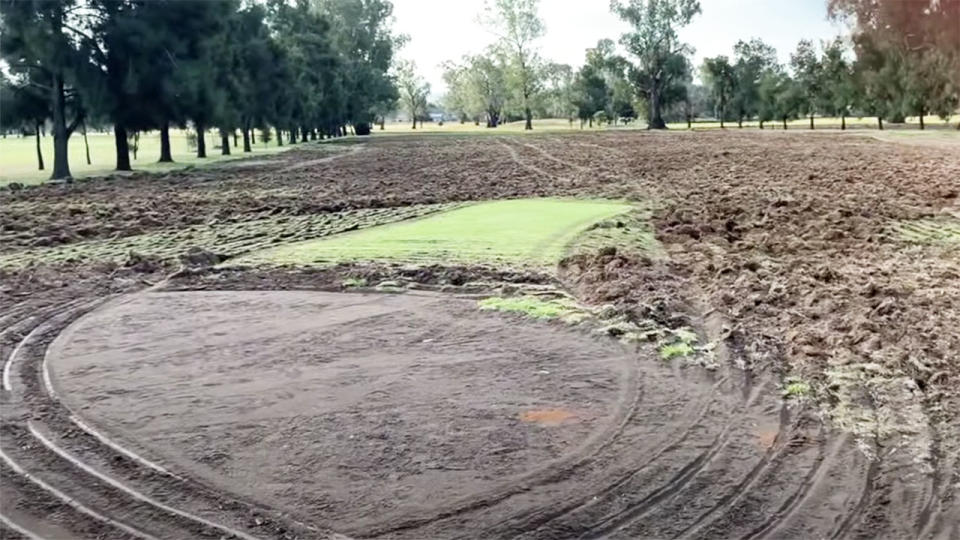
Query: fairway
x,y
525,232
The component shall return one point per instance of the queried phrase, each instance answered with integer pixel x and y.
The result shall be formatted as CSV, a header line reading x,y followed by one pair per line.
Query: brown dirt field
x,y
781,248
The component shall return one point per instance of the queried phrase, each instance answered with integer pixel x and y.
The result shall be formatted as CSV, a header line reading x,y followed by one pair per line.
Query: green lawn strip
x,y
518,233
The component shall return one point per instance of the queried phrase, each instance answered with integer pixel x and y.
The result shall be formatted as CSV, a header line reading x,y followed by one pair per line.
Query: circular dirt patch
x,y
343,409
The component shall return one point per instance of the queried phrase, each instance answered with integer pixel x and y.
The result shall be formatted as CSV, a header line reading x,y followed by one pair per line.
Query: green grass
x,y
796,388
522,232
930,231
529,306
675,350
18,155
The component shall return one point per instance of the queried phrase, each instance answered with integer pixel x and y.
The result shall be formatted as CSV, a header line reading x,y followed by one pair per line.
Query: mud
x,y
785,251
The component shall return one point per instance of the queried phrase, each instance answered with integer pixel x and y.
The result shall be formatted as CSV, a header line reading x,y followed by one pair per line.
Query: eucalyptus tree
x,y
752,60
838,81
719,76
808,73
518,26
414,90
659,53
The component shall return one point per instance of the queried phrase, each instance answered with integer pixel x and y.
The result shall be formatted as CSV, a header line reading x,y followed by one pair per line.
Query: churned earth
x,y
769,352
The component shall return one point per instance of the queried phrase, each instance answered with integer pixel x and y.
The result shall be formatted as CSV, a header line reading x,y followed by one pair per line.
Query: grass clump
x,y
354,283
529,306
796,388
675,350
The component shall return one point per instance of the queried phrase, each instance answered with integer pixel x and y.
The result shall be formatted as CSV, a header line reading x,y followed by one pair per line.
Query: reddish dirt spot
x,y
548,417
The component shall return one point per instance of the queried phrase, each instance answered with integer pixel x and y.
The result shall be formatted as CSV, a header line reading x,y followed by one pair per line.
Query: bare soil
x,y
781,249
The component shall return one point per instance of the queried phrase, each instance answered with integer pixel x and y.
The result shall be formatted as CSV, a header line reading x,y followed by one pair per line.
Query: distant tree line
x,y
903,59
295,70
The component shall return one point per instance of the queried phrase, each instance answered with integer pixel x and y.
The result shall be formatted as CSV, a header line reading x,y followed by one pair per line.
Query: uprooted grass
x,y
531,306
224,239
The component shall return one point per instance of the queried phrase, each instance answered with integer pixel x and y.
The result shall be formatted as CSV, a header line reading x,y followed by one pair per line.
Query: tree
x,y
25,106
414,91
838,89
909,41
39,43
654,43
808,74
558,92
752,60
365,45
928,88
590,93
719,76
517,24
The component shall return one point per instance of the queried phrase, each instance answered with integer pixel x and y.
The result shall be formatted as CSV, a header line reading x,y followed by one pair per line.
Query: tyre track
x,y
58,468
557,471
677,482
790,507
206,526
538,518
70,501
746,484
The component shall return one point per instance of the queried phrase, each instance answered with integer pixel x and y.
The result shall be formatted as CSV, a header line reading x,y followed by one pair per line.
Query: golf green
x,y
523,232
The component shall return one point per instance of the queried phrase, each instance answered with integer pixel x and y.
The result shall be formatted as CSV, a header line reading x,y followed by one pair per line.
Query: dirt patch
x,y
260,392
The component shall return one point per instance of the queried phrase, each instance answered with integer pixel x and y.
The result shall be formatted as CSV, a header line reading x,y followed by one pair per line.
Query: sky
x,y
442,30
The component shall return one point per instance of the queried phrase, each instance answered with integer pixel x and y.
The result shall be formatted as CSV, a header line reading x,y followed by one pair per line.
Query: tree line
x,y
902,59
295,70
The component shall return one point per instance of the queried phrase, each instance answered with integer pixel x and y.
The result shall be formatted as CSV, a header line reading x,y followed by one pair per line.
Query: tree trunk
x,y
39,152
529,115
811,122
86,143
234,138
313,134
740,122
721,117
784,123
383,122
224,143
922,127
591,121
761,124
61,166
279,137
656,118
165,156
246,139
122,146
880,123
253,137
843,122
689,122
201,141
